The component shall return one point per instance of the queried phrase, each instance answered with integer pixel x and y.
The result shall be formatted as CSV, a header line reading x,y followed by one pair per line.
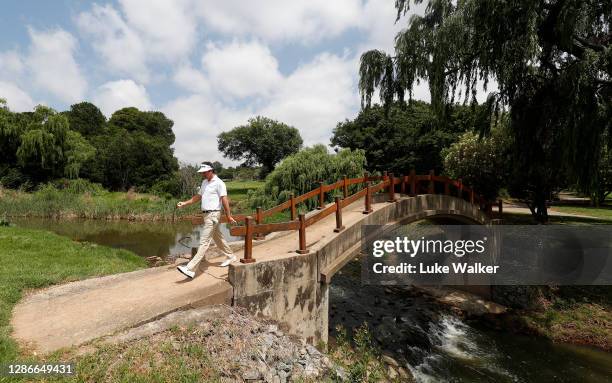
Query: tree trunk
x,y
538,207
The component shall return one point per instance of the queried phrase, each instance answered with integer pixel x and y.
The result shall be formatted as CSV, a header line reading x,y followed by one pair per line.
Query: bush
x,y
79,186
301,172
482,163
168,188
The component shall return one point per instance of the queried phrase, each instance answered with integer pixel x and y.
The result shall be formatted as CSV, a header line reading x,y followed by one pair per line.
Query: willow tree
x,y
552,63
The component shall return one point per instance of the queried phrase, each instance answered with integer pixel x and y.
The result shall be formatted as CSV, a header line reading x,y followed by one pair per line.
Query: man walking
x,y
213,195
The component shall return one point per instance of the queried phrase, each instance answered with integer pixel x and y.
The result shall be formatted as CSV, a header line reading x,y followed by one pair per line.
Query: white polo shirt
x,y
211,192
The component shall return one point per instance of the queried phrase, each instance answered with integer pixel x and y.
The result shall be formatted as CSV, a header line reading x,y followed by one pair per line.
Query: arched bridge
x,y
287,278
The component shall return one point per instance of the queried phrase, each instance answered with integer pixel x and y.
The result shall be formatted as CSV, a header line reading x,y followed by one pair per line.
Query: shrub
x,y
482,163
79,186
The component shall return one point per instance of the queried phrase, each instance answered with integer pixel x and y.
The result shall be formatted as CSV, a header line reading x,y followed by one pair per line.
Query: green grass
x,y
602,213
527,219
238,190
34,259
575,314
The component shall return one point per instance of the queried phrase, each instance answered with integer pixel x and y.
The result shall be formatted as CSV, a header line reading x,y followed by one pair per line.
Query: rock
x,y
180,260
391,372
403,319
390,361
283,376
341,374
251,375
272,328
312,350
403,373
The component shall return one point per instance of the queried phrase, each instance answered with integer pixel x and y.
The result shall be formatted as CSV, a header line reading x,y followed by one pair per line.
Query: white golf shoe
x,y
186,271
228,261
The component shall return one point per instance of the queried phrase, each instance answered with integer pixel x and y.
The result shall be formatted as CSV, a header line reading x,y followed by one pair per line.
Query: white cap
x,y
204,168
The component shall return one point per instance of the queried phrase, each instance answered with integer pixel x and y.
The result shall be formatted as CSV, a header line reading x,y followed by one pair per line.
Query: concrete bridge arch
x,y
293,288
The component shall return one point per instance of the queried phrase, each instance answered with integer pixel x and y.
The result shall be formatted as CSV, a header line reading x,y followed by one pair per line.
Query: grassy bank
x,y
573,314
570,314
98,203
33,259
603,212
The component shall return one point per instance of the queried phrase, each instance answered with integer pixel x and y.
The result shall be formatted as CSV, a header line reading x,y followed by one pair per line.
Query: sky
x,y
208,65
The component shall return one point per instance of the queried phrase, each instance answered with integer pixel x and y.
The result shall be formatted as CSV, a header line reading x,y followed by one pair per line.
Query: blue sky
x,y
208,65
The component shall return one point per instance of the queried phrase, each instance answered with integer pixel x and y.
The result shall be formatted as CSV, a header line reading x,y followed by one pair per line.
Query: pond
x,y
153,238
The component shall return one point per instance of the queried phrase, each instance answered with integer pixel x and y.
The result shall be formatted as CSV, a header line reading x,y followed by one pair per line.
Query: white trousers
x,y
211,231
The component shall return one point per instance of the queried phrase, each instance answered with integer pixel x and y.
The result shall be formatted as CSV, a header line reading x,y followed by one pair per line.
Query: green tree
x,y
152,123
483,163
550,59
402,137
86,119
262,141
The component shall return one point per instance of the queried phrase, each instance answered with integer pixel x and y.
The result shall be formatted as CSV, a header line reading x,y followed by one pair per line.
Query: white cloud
x,y
115,95
191,79
11,64
241,69
16,99
115,41
52,64
168,28
197,122
281,20
315,97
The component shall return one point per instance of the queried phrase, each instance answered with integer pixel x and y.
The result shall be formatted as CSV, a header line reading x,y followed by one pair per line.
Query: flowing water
x,y
154,238
437,345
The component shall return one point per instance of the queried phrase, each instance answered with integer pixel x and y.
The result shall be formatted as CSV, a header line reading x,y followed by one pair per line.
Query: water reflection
x,y
162,239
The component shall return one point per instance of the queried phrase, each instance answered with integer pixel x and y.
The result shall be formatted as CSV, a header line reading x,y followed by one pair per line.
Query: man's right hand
x,y
181,204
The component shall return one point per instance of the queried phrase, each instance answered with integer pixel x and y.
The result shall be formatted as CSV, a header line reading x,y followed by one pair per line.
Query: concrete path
x,y
517,209
76,312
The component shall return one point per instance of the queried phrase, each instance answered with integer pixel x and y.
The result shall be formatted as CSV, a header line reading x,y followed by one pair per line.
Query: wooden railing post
x,y
321,196
345,187
413,182
248,241
431,189
471,195
258,221
402,184
446,187
292,206
302,232
339,226
391,188
460,189
368,200
365,178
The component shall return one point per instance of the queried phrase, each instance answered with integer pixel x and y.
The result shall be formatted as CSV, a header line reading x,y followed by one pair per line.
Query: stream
x,y
437,345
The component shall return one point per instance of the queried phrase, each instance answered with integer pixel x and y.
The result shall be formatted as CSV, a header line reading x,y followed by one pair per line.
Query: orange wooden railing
x,y
411,184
